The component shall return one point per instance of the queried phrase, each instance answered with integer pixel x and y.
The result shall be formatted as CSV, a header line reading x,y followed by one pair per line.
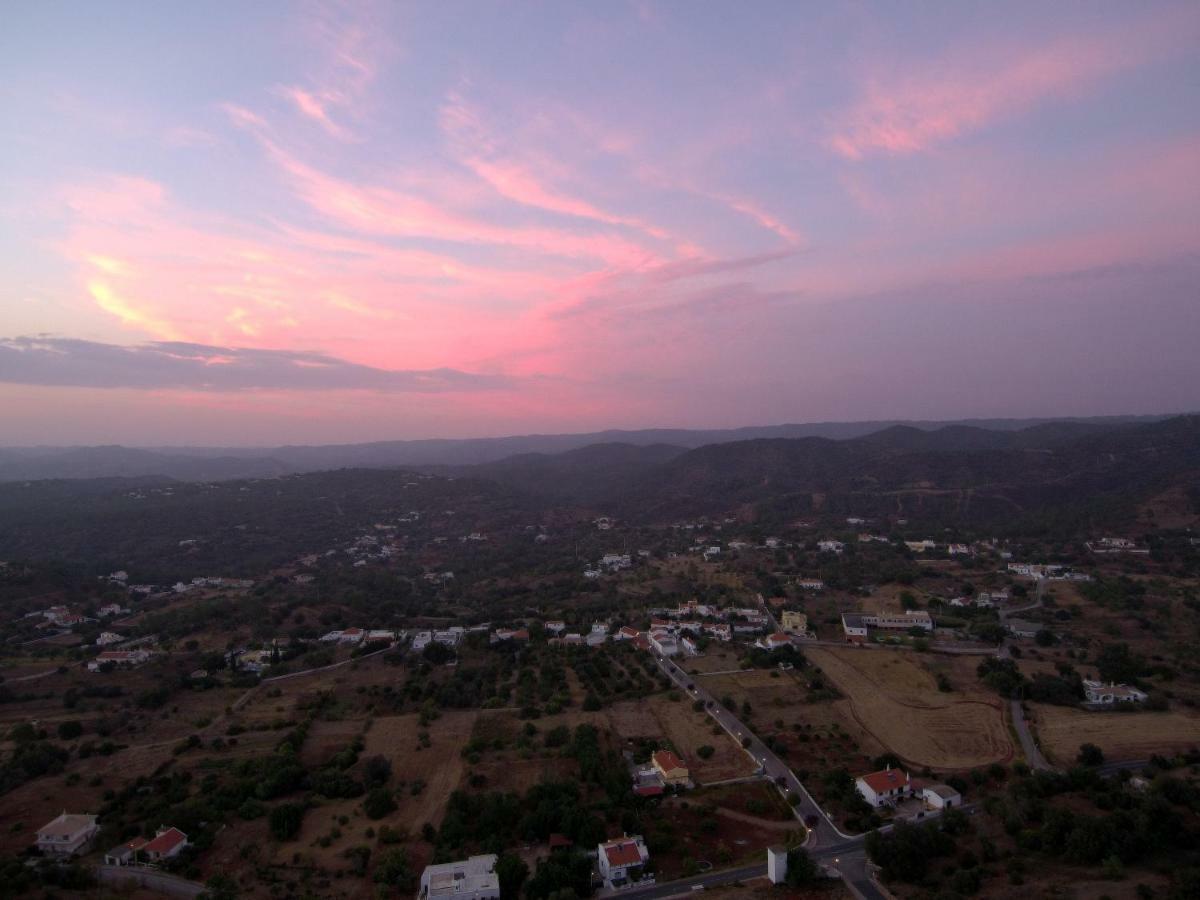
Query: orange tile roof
x,y
622,853
667,760
887,780
166,841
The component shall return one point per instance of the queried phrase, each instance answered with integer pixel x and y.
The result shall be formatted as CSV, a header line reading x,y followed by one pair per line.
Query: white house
x,y
620,860
775,641
1099,692
884,788
830,546
68,835
1023,629
167,843
854,627
108,637
474,878
421,640
940,796
663,642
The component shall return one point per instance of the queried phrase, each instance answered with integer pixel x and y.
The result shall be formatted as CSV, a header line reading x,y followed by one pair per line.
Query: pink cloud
x,y
511,176
900,113
316,108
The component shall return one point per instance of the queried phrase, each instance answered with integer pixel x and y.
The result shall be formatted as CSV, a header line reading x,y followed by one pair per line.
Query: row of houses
x,y
72,834
619,862
360,635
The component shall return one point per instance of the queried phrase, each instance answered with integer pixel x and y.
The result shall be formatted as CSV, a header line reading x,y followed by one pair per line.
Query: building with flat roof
x,y
794,622
474,878
68,835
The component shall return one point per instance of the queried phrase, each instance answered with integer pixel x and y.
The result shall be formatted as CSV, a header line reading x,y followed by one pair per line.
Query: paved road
x,y
825,841
1033,753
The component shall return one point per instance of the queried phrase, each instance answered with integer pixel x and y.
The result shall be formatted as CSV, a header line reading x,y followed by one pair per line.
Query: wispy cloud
x,y
912,107
176,365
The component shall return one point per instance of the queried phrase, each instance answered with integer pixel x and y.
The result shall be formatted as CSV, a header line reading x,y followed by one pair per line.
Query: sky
x,y
278,222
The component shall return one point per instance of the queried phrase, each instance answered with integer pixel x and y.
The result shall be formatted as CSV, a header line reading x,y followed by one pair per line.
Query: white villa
x,y
474,878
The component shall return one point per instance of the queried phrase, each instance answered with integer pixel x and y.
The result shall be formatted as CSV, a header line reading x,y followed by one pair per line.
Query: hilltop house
x,y
68,835
620,861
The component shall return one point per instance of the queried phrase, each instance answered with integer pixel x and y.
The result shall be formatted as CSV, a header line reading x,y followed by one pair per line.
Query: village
x,y
767,670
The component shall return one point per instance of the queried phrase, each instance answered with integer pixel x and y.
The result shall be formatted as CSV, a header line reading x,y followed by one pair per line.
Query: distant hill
x,y
589,475
224,463
951,475
127,462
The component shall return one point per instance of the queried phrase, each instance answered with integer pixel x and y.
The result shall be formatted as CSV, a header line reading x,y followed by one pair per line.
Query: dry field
x,y
440,766
895,699
687,730
719,658
1136,735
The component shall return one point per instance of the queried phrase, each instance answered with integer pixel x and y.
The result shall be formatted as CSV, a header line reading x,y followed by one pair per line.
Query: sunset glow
x,y
251,223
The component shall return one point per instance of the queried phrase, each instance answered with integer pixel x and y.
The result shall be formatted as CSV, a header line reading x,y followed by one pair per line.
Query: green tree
x,y
1090,755
512,872
285,820
802,870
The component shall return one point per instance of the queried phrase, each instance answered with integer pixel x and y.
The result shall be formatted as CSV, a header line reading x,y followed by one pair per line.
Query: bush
x,y
68,731
705,752
379,803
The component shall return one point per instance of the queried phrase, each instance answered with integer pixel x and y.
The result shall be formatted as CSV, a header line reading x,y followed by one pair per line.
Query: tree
x,y
802,870
69,730
1090,755
512,872
219,887
394,869
377,770
379,803
705,752
285,820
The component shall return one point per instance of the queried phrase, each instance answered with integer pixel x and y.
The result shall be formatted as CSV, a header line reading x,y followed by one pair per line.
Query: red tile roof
x,y
166,841
622,853
667,760
887,780
649,790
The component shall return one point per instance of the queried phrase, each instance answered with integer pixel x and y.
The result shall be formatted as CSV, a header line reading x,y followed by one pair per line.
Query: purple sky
x,y
229,223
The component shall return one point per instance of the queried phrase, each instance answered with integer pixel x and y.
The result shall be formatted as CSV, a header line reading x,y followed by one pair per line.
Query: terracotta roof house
x,y
620,860
885,787
668,764
167,843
